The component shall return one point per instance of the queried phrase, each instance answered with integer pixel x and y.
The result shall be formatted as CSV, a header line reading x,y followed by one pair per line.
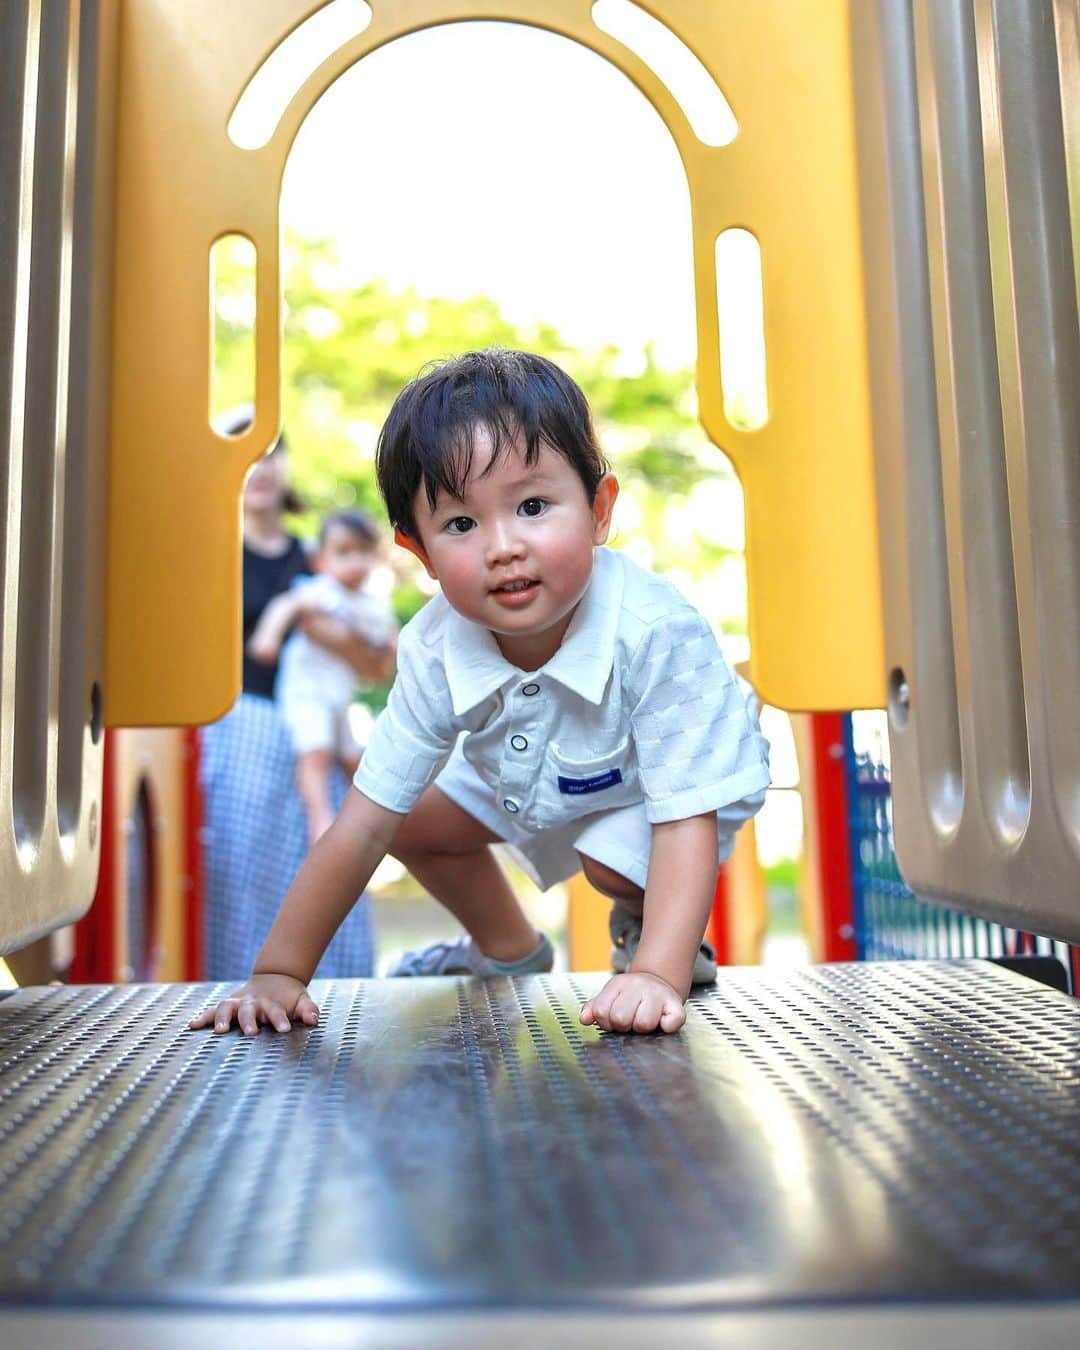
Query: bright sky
x,y
505,160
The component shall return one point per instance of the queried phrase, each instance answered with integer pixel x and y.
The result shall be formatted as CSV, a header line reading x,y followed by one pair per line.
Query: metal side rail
x,y
822,1154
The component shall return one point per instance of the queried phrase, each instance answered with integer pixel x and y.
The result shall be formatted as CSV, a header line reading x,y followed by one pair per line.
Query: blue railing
x,y
891,922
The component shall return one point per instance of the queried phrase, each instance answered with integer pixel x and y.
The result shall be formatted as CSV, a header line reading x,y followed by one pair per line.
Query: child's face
x,y
517,553
346,556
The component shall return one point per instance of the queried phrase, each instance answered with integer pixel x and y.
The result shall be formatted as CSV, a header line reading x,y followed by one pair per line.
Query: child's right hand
x,y
276,1000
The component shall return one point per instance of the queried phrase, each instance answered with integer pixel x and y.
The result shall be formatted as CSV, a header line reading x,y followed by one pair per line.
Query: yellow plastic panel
x,y
587,938
173,643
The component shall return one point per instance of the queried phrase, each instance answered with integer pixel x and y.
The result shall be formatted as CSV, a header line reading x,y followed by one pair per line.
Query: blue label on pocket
x,y
573,787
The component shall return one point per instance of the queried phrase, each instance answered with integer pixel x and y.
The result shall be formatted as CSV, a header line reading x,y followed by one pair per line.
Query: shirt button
x,y
511,805
529,689
519,742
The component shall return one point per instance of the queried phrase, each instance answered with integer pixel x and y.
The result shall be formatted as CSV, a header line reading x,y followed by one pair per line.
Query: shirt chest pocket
x,y
580,783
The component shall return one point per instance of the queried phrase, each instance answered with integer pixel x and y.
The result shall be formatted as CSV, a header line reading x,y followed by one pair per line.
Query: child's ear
x,y
602,506
415,547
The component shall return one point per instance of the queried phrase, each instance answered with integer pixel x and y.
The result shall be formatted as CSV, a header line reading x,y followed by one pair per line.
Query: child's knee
x,y
609,882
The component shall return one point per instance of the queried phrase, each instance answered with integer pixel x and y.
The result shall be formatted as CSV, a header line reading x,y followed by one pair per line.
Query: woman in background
x,y
255,831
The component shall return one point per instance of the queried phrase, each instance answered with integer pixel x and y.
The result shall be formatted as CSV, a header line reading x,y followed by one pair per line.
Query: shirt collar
x,y
475,668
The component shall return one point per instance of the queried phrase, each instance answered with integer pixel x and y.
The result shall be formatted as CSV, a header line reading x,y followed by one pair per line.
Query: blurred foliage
x,y
349,348
782,887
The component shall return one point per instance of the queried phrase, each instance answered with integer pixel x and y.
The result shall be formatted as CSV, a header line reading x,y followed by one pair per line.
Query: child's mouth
x,y
512,591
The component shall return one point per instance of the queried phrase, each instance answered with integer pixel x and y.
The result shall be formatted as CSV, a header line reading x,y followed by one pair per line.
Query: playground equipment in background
x,y
807,472
146,920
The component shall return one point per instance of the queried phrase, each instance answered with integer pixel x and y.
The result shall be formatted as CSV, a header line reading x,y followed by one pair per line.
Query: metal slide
x,y
890,1149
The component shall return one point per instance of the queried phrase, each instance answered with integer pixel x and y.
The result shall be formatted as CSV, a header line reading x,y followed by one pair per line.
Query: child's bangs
x,y
493,435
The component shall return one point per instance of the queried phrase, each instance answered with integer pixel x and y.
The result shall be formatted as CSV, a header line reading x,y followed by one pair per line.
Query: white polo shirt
x,y
638,705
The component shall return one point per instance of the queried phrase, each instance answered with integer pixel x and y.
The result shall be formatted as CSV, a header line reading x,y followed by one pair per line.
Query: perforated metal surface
x,y
834,1134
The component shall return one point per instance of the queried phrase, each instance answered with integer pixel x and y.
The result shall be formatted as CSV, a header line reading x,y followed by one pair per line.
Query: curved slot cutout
x,y
42,433
232,313
270,90
740,306
141,898
672,61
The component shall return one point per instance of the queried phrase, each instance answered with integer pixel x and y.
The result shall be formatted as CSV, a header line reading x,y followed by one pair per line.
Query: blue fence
x,y
891,922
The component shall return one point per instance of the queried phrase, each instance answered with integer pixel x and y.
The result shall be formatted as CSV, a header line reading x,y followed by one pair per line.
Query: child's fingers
x,y
621,1011
275,1016
306,1010
600,1007
224,1014
249,1014
203,1019
647,1016
620,1006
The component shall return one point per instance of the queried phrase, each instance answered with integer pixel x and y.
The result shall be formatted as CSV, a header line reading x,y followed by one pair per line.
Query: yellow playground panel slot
x,y
787,178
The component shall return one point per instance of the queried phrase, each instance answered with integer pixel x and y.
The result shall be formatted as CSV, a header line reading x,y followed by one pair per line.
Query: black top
x,y
264,578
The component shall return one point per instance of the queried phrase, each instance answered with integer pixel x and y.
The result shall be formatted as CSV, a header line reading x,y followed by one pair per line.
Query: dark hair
x,y
358,523
430,434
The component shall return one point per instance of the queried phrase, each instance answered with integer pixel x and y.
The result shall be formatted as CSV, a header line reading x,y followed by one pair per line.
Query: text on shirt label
x,y
573,787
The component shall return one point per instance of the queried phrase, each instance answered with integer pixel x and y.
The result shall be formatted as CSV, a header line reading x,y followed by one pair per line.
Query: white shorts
x,y
620,839
319,726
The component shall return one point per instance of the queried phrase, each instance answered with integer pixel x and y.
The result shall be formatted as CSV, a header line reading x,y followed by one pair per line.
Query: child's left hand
x,y
264,648
636,1001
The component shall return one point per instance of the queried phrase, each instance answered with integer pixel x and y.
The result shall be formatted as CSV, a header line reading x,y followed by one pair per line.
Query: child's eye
x,y
532,506
460,525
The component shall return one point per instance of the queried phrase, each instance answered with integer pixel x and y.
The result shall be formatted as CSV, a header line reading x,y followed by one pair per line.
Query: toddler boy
x,y
553,695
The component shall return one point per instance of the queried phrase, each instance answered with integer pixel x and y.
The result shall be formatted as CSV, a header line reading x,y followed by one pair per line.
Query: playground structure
x,y
912,544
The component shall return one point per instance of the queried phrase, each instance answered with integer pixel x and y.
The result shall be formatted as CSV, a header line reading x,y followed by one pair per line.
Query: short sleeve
x,y
413,735
696,733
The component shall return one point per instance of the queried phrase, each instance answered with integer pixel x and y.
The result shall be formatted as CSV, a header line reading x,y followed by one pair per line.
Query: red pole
x,y
193,866
833,837
94,961
718,932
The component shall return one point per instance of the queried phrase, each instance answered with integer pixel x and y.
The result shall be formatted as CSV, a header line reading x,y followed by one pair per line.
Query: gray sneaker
x,y
625,929
464,957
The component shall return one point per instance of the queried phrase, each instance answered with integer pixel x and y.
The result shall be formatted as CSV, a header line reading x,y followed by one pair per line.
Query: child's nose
x,y
503,542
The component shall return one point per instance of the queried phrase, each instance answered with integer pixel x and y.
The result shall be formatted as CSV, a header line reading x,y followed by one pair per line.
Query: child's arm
x,y
336,870
375,663
678,895
274,623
